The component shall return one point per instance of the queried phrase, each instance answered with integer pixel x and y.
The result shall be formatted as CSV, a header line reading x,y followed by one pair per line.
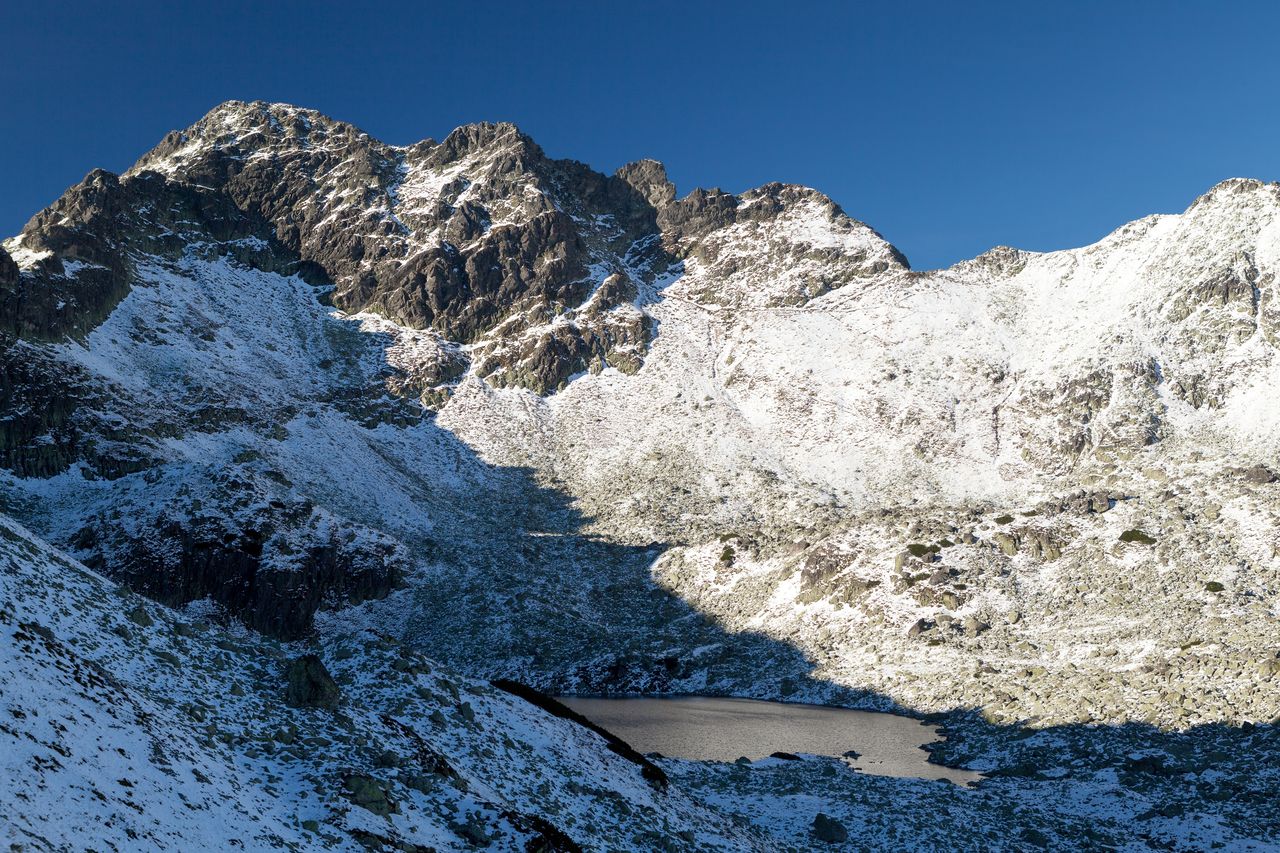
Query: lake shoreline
x,y
730,729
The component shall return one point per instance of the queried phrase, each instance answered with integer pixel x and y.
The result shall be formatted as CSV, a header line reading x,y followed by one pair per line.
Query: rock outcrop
x,y
481,237
310,685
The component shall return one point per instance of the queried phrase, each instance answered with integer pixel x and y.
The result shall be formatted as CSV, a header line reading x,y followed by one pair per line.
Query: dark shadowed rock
x,y
547,837
919,627
86,243
829,830
39,435
273,569
368,793
8,270
310,685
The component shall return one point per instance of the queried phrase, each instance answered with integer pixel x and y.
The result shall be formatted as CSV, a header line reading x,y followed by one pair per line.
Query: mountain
x,y
528,421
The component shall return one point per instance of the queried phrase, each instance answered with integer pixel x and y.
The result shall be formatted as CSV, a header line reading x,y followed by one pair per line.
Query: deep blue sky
x,y
949,127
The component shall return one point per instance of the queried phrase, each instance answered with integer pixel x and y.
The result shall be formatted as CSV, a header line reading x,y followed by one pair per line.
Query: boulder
x,y
829,830
310,685
920,626
1041,546
139,616
1259,475
1006,543
367,793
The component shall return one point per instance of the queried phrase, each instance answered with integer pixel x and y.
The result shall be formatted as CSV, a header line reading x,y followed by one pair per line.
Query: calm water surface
x,y
716,729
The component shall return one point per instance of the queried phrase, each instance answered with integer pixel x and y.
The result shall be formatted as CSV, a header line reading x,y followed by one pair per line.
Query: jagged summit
x,y
1238,189
234,119
649,178
540,267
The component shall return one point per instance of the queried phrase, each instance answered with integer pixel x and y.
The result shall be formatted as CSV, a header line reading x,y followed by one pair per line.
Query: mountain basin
x,y
704,728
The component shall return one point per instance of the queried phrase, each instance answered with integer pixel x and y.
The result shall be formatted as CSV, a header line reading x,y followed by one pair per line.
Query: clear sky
x,y
948,127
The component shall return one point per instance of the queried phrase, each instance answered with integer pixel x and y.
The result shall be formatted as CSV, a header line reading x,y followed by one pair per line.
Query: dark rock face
x,y
697,214
49,301
505,246
38,436
90,236
536,267
271,569
310,685
649,179
8,270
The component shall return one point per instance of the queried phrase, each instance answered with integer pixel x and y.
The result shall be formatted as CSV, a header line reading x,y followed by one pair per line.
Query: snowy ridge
x,y
801,249
931,356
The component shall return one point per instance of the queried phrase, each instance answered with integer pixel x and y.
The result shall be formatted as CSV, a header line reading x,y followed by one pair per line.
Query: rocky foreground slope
x,y
130,726
541,423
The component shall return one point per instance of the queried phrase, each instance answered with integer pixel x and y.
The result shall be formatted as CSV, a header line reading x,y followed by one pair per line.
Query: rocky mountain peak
x,y
246,128
999,261
480,136
480,239
1238,190
779,245
649,178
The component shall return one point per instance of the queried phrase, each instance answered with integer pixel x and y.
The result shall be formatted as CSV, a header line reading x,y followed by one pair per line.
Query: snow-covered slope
x,y
129,726
1004,377
209,428
963,406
